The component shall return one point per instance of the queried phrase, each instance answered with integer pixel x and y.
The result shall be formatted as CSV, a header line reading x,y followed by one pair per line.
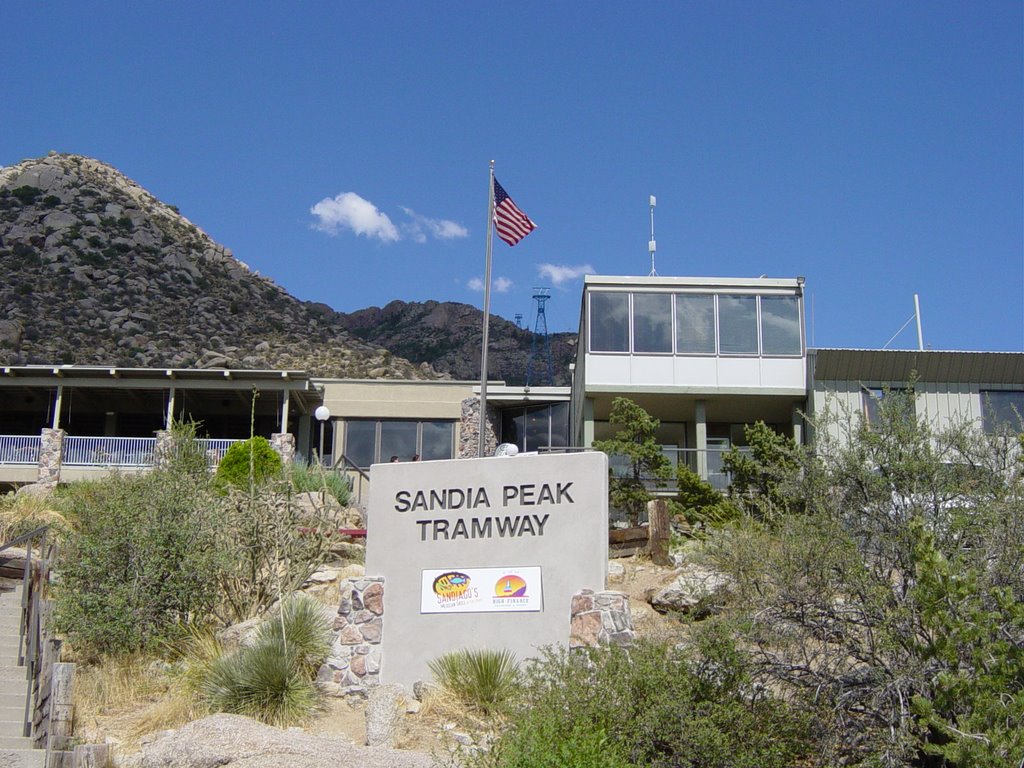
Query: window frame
x,y
378,429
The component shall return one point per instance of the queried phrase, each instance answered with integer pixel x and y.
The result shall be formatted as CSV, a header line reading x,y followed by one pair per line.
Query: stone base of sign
x,y
354,664
600,618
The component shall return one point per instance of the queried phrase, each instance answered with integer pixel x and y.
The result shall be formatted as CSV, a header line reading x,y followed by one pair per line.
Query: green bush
x,y
654,705
306,478
273,679
482,679
250,461
140,561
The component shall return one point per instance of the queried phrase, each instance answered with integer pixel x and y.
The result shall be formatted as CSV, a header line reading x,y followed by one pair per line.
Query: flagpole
x,y
487,312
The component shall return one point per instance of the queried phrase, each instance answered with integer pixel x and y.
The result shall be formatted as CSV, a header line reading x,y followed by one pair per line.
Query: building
x,y
706,356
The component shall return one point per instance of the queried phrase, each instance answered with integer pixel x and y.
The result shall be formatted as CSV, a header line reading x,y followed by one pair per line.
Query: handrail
x,y
34,582
345,463
23,538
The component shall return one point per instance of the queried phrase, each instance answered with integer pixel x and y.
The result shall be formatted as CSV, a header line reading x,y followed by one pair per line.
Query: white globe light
x,y
323,413
507,449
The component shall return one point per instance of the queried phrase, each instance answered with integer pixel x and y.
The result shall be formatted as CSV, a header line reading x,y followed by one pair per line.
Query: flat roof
x,y
900,365
657,281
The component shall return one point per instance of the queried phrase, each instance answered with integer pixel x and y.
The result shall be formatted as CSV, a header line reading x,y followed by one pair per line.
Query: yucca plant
x,y
273,679
305,477
483,679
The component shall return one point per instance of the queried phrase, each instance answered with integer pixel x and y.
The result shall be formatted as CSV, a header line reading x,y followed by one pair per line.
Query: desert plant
x,y
272,680
653,705
142,559
276,544
482,679
24,513
314,478
249,462
894,599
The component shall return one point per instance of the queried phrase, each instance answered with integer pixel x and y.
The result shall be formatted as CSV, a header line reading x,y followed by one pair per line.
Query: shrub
x,y
251,461
699,503
482,679
141,559
654,705
272,680
313,478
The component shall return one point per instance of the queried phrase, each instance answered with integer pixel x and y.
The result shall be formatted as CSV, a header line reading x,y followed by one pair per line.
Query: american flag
x,y
512,224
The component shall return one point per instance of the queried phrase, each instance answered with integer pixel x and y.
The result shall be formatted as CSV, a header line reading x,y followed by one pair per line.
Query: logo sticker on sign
x,y
482,590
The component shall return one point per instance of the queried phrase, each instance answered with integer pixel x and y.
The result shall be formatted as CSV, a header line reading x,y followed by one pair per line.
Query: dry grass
x,y
20,514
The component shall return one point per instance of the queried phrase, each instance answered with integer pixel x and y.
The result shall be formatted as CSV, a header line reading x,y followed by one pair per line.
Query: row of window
x,y
371,441
695,324
1000,409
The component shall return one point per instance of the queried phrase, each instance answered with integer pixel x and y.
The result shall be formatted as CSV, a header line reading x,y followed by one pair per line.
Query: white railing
x,y
215,448
109,451
19,449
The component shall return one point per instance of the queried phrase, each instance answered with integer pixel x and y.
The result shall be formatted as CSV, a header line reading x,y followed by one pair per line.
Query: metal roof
x,y
892,365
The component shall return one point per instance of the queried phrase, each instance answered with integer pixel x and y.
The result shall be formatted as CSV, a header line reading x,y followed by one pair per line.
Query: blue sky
x,y
873,147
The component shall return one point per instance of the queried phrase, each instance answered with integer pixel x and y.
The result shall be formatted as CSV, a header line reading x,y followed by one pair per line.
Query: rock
x,y
239,635
240,742
695,587
616,573
383,714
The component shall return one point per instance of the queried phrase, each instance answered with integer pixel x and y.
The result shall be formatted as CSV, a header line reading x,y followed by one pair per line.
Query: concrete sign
x,y
483,553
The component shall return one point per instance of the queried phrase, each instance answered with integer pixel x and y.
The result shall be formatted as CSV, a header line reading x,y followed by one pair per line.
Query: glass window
x,y
780,325
403,438
695,324
652,322
609,322
560,424
437,440
360,442
900,399
1002,410
737,325
397,438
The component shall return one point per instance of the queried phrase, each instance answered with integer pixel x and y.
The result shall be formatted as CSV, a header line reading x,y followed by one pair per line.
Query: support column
x,y
287,398
58,399
798,426
51,450
284,444
700,423
588,422
169,417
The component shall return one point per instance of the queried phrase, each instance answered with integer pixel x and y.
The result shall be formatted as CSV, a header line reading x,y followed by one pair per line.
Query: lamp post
x,y
322,413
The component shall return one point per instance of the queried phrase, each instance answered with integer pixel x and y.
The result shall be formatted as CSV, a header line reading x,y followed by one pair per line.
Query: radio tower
x,y
540,329
519,319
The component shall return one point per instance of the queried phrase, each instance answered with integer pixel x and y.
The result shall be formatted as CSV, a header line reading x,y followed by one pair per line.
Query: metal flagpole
x,y
487,312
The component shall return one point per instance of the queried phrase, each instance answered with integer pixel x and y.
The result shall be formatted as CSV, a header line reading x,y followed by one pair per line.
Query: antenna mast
x,y
651,245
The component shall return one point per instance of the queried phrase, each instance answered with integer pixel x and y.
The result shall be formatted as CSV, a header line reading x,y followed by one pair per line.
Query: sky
x,y
342,148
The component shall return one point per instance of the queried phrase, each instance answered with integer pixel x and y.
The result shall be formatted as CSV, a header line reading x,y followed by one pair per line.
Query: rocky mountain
x,y
96,270
447,335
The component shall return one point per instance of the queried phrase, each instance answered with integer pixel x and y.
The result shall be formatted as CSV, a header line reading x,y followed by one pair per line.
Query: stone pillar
x,y
600,617
51,448
163,451
284,444
469,427
354,663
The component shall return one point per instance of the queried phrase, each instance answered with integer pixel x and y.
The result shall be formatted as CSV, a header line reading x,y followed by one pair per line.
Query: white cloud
x,y
442,229
499,284
349,211
559,273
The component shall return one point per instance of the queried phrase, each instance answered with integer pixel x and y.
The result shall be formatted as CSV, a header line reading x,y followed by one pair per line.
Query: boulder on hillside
x,y
696,588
